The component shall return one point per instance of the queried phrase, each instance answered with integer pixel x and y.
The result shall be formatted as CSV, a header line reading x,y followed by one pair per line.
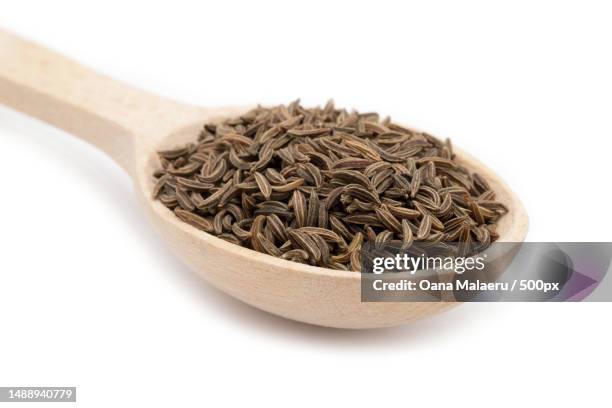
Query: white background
x,y
90,297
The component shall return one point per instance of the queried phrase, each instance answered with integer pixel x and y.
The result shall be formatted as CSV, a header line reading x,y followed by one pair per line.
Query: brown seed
x,y
369,233
183,200
289,186
323,216
415,184
240,233
194,185
313,209
407,237
388,220
323,248
315,174
424,228
356,243
263,184
309,132
365,219
277,227
293,254
267,245
194,220
257,228
159,185
361,192
355,261
363,149
169,200
352,163
299,208
237,162
333,197
350,176
476,213
338,227
216,174
326,234
186,170
382,238
306,243
218,222
273,207
174,153
402,212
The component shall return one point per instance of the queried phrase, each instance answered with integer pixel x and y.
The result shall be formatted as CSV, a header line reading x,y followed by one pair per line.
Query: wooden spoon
x,y
131,125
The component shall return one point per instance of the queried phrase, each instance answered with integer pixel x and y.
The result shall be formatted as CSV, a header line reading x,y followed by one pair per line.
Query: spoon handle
x,y
104,112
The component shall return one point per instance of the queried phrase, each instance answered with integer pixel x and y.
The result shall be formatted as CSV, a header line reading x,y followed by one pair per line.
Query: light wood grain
x,y
130,125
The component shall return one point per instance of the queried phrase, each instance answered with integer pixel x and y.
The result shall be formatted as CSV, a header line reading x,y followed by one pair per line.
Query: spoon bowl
x,y
131,125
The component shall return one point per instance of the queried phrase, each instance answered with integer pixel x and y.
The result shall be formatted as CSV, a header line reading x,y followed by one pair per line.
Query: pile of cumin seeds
x,y
313,185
